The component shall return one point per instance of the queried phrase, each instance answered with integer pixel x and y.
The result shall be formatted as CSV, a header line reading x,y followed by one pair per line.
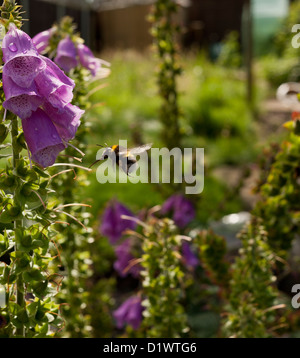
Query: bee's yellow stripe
x,y
114,147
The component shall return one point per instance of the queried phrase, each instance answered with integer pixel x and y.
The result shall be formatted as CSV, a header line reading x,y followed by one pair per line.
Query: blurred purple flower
x,y
31,81
66,54
189,258
122,264
130,312
42,138
182,208
112,225
41,40
88,60
22,61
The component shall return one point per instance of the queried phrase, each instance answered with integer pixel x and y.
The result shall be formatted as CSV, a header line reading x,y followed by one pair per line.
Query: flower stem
x,y
17,223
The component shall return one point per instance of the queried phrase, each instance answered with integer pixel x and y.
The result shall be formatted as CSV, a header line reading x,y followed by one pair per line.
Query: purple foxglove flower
x,y
54,85
66,120
190,259
22,61
122,264
88,60
20,101
42,138
112,225
66,54
41,40
183,209
130,312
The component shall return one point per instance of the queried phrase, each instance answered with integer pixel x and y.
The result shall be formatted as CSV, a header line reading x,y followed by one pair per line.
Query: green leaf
x,y
33,275
22,315
40,288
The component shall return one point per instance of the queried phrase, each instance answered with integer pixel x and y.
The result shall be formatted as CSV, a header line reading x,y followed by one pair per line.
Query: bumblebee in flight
x,y
123,157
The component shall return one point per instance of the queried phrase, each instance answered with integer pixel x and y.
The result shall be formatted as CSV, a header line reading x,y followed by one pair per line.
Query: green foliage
x,y
277,70
218,107
25,248
212,254
230,55
279,206
101,288
164,34
164,315
10,13
252,295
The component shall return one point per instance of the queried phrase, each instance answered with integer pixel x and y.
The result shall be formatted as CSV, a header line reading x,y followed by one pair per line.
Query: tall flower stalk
x,y
68,51
29,83
253,297
164,315
164,33
279,204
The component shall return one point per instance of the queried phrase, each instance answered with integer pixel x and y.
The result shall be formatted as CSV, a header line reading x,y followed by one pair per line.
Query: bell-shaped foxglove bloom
x,y
189,258
66,120
113,225
22,61
130,312
41,40
31,81
66,54
21,101
88,60
183,210
42,138
123,265
53,84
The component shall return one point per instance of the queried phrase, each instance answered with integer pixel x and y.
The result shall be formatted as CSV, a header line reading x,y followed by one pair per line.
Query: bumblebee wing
x,y
139,150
